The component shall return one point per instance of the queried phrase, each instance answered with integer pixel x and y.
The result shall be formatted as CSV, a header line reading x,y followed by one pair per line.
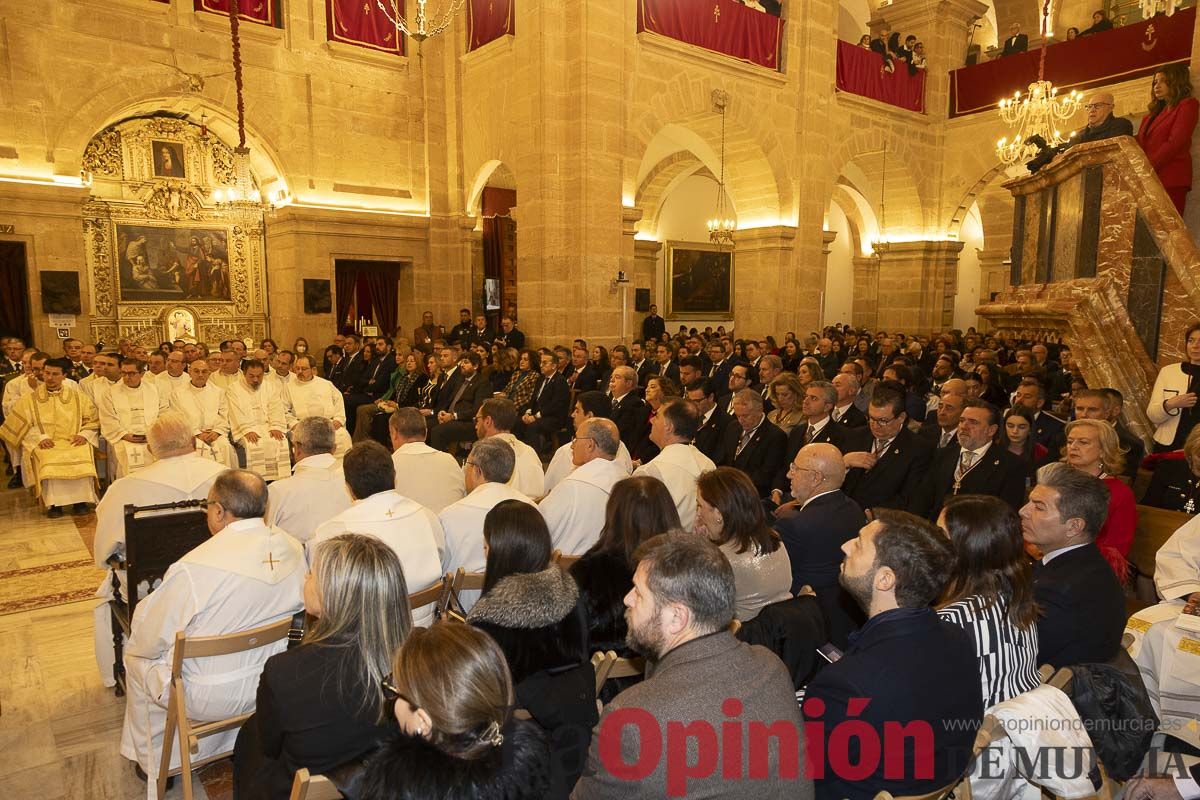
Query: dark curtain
x,y
385,294
487,21
14,298
859,71
363,24
346,277
725,26
263,11
493,246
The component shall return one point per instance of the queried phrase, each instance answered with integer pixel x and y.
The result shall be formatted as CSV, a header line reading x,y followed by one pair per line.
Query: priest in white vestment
x,y
306,395
207,410
246,576
497,417
105,373
230,372
280,374
170,379
431,477
126,412
587,406
487,471
410,529
178,473
678,463
258,423
316,492
56,428
14,390
575,509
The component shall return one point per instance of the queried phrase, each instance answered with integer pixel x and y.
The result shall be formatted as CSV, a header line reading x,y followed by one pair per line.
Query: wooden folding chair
x,y
306,786
936,794
623,667
566,562
602,664
435,594
190,733
467,581
155,538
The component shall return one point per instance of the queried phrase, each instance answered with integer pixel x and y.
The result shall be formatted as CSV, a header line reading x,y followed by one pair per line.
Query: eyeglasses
x,y
470,463
583,439
1094,106
882,421
794,470
391,694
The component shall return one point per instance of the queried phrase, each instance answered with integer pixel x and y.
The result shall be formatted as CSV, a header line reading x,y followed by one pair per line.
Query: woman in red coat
x,y
1093,447
1166,132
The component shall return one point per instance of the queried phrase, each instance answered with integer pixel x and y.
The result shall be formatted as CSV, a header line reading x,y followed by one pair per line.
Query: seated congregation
x,y
700,565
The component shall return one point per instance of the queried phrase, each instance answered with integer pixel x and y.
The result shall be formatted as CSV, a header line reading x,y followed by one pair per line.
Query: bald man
x,y
814,534
1101,124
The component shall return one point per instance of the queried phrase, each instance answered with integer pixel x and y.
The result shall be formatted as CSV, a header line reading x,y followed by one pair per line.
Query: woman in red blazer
x,y
1166,132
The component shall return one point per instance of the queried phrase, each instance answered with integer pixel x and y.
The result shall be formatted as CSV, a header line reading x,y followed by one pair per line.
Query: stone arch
x,y
490,173
877,163
863,223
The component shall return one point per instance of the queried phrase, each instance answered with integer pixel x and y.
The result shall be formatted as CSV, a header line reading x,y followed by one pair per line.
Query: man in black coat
x,y
480,333
710,436
1083,606
974,464
940,428
583,377
462,329
1016,42
824,520
509,335
844,412
353,365
1047,430
653,326
665,365
457,422
629,411
720,366
885,461
752,444
906,669
374,381
547,411
818,427
642,360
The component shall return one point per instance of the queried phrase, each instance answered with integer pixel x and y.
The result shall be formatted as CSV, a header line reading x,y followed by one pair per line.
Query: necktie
x,y
837,415
965,461
462,387
945,440
881,445
808,434
745,440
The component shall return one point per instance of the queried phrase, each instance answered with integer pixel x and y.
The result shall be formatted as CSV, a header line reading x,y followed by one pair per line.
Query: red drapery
x,y
724,26
382,284
1117,55
363,23
14,311
487,21
262,11
345,280
498,202
859,71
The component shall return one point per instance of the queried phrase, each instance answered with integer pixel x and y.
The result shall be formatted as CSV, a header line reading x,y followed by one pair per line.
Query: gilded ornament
x,y
102,156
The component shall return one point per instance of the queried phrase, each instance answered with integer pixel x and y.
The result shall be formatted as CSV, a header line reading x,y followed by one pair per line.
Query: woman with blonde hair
x,y
786,395
1093,447
319,704
458,738
1166,131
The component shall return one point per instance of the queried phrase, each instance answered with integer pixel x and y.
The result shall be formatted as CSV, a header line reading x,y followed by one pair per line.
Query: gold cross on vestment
x,y
270,561
716,13
389,513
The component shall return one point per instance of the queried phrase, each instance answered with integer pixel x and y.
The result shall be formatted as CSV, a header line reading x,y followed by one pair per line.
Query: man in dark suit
x,y
480,333
1048,430
844,412
720,367
1083,606
1101,124
710,436
940,429
629,411
738,379
509,335
1016,42
653,326
642,360
353,365
885,461
583,376
665,365
752,444
818,427
10,361
906,669
769,367
973,464
462,329
824,519
457,422
547,411
374,381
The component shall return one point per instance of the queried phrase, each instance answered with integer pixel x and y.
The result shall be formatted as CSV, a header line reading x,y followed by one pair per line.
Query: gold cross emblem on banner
x,y
716,13
270,561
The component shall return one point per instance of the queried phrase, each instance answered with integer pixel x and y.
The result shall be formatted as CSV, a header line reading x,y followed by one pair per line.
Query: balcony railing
x,y
860,71
1102,58
722,26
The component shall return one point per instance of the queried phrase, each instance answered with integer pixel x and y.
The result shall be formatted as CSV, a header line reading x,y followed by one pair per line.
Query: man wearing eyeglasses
x,y
885,461
1101,124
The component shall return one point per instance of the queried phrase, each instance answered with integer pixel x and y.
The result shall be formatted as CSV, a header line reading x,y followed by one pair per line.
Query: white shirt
x,y
561,465
528,477
1048,557
410,529
315,493
574,509
255,410
428,476
463,524
678,466
315,398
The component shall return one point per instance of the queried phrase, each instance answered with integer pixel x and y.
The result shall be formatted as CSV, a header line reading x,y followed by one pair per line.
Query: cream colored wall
x,y
839,275
971,235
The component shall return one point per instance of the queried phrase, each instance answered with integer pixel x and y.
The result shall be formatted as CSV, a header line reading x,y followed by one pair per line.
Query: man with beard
x,y
904,668
678,614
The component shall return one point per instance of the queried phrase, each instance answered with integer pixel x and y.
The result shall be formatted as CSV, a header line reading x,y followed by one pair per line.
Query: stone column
x,y
866,292
993,271
766,291
827,238
645,268
919,281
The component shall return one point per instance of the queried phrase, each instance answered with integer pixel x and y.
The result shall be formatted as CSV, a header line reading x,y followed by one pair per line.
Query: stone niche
x,y
156,244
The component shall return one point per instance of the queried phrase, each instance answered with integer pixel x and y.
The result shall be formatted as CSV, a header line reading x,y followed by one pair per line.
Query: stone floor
x,y
60,728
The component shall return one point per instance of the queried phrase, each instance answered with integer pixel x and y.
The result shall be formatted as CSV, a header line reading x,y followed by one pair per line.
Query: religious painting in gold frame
x,y
699,281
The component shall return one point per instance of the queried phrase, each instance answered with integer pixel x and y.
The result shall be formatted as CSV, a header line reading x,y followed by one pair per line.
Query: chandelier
x,y
723,224
1035,117
1153,7
242,196
424,28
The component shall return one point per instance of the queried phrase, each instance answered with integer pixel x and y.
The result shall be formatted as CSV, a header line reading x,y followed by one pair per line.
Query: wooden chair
x,y
566,562
467,581
155,538
735,626
306,786
436,594
1154,527
179,724
601,665
936,794
616,667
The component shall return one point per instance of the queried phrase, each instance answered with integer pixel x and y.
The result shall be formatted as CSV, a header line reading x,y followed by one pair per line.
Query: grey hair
x,y
827,389
690,570
604,433
628,373
242,493
314,434
1080,496
364,610
749,398
170,435
495,459
407,423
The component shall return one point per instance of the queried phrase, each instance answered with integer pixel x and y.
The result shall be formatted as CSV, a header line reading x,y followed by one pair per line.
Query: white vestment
x,y
1177,562
94,387
561,464
166,383
169,480
463,523
528,478
317,398
223,381
1166,649
124,412
260,411
207,409
64,474
315,493
404,525
574,510
14,390
431,477
246,576
678,466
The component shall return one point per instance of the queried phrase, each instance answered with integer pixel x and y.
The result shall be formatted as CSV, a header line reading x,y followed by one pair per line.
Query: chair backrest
x,y
223,645
434,594
306,786
468,581
936,794
624,667
1154,527
1058,678
156,537
601,663
566,562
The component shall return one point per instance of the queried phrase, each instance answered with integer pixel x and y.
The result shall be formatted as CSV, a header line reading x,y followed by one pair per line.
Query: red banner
x,y
364,24
723,26
265,12
487,21
1102,58
860,71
